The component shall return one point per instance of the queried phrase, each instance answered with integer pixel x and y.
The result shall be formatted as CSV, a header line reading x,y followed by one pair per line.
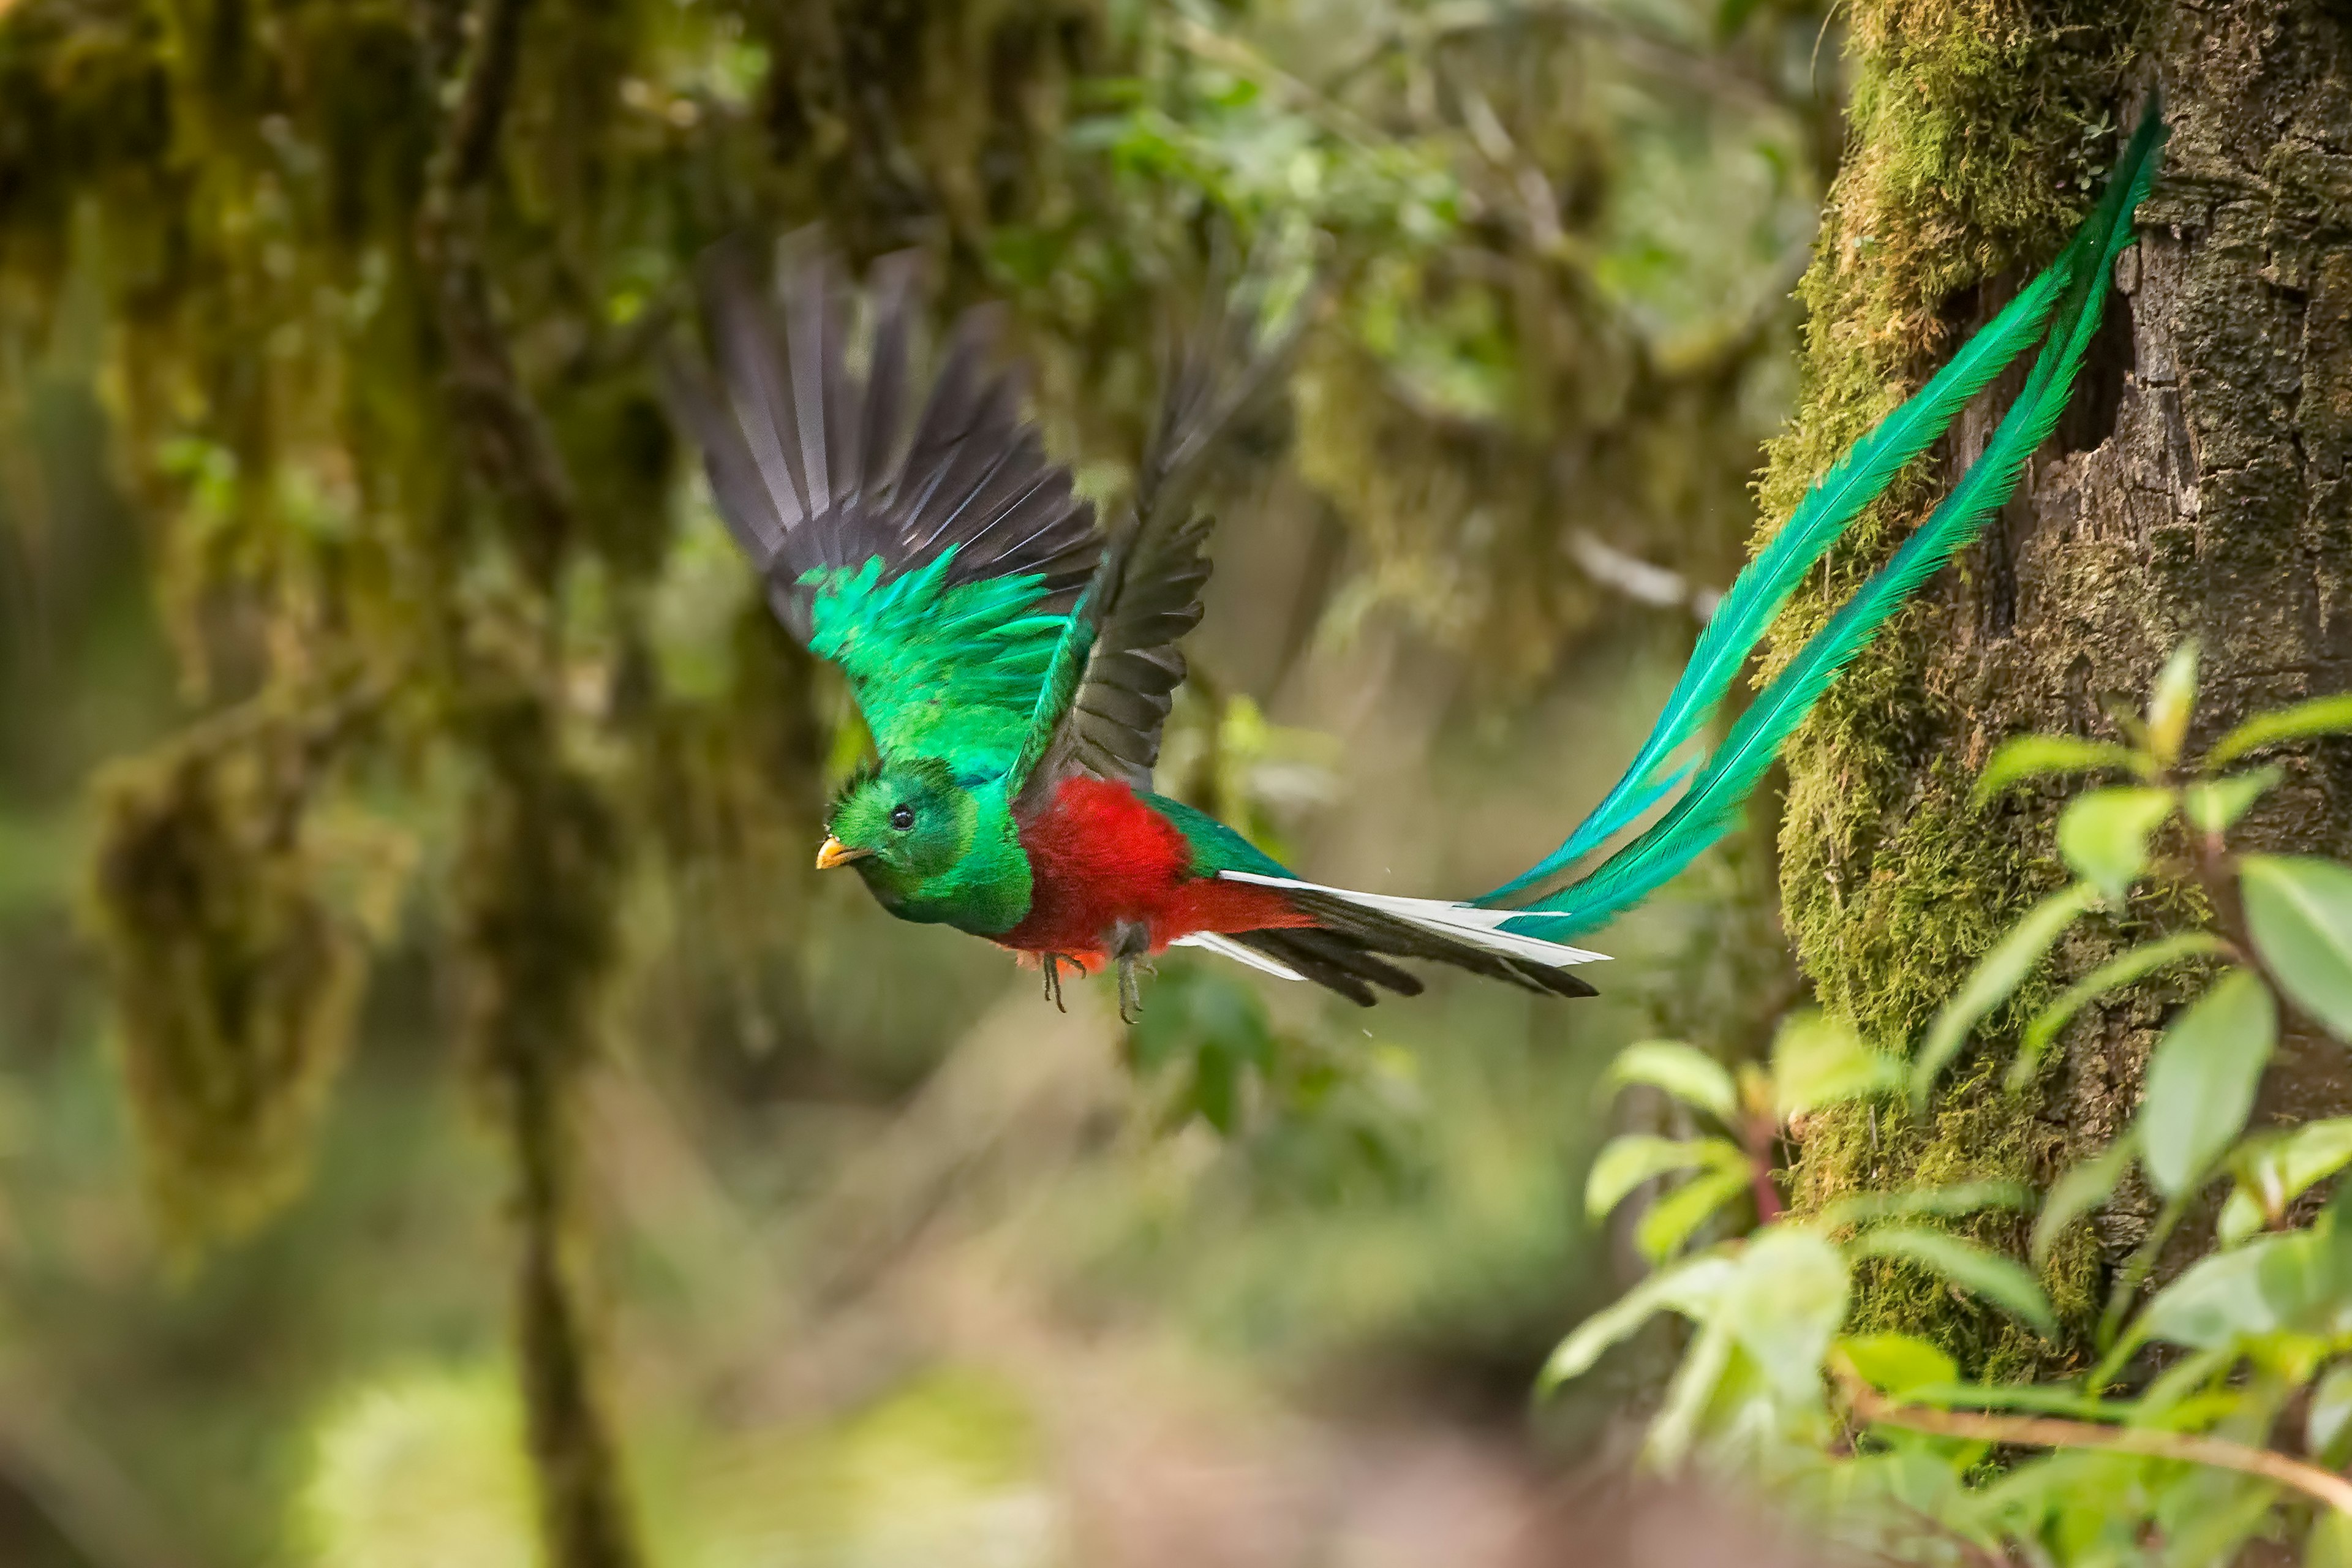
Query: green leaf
x,y
1687,1073
2038,757
2329,1542
2103,835
1785,1305
2331,1408
1897,1363
2300,910
2217,1301
2086,1186
2174,1397
1907,1203
2131,964
1688,1287
2170,702
2320,716
1997,1279
2201,1079
1626,1162
2001,971
2213,805
2209,1524
2240,1216
1818,1060
2275,1172
1694,1383
1671,1220
2299,1281
2282,1169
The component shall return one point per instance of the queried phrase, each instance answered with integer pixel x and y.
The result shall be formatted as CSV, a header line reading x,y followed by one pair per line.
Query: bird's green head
x,y
931,847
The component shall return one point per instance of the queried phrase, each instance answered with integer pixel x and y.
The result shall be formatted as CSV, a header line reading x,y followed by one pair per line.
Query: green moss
x,y
238,982
1979,129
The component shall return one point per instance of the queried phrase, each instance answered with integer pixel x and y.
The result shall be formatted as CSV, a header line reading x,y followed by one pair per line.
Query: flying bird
x,y
1015,661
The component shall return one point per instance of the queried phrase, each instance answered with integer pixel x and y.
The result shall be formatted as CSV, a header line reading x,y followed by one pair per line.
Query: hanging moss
x,y
237,981
1978,131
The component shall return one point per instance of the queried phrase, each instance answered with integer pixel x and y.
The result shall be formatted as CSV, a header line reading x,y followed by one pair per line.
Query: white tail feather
x,y
1227,947
1465,922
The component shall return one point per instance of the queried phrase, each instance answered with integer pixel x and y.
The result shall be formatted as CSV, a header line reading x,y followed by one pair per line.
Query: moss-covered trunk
x,y
2199,488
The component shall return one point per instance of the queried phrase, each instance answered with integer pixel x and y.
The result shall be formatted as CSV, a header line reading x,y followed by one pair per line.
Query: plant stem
x,y
2217,873
1873,1408
1762,1133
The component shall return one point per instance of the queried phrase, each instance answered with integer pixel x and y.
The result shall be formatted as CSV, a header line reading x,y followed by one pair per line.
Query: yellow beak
x,y
832,852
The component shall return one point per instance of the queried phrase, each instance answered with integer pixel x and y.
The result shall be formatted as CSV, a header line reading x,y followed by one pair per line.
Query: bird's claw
x,y
1131,949
1052,963
1130,989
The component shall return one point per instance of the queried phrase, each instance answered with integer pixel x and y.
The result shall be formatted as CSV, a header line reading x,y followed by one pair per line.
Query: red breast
x,y
1099,856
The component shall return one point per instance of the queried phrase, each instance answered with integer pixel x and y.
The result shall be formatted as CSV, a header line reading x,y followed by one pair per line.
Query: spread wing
x,y
1114,675
934,552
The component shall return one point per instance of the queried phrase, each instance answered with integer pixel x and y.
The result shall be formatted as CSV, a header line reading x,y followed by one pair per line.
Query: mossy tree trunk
x,y
2199,488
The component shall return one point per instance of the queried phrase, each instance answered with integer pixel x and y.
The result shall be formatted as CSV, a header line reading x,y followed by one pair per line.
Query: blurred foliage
x,y
341,519
426,1469
2206,1418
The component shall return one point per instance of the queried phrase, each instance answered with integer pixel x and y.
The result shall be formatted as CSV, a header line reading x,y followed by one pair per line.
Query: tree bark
x,y
2201,487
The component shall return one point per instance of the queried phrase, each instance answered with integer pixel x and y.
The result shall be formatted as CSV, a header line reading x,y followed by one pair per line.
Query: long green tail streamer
x,y
2071,295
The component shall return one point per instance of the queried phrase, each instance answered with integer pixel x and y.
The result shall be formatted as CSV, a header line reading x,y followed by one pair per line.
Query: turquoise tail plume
x,y
2067,300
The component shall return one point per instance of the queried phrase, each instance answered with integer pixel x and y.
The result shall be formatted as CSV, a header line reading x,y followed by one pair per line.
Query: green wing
x,y
941,669
936,557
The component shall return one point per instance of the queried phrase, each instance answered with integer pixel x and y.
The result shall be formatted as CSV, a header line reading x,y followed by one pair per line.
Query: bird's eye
x,y
903,818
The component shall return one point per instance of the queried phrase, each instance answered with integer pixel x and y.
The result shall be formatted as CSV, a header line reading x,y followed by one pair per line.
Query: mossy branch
x,y
539,895
508,444
543,860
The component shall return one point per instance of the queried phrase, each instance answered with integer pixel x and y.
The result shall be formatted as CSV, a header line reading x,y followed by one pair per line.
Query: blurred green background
x,y
890,1261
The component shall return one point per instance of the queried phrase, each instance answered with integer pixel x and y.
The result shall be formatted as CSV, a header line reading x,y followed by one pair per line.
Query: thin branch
x,y
1529,183
1874,1408
470,138
508,441
1644,46
1639,580
1208,44
87,1496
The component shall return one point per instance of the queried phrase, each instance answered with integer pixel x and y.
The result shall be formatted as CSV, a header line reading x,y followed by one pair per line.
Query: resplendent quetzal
x,y
1015,664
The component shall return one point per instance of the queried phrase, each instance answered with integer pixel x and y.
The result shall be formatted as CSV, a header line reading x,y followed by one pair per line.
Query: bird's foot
x,y
1131,950
1050,963
1130,989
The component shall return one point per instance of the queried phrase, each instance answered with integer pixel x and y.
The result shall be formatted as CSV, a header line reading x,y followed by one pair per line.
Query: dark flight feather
x,y
1108,696
1372,931
816,467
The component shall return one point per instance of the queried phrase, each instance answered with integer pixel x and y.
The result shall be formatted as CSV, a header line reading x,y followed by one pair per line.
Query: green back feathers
x,y
1215,847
